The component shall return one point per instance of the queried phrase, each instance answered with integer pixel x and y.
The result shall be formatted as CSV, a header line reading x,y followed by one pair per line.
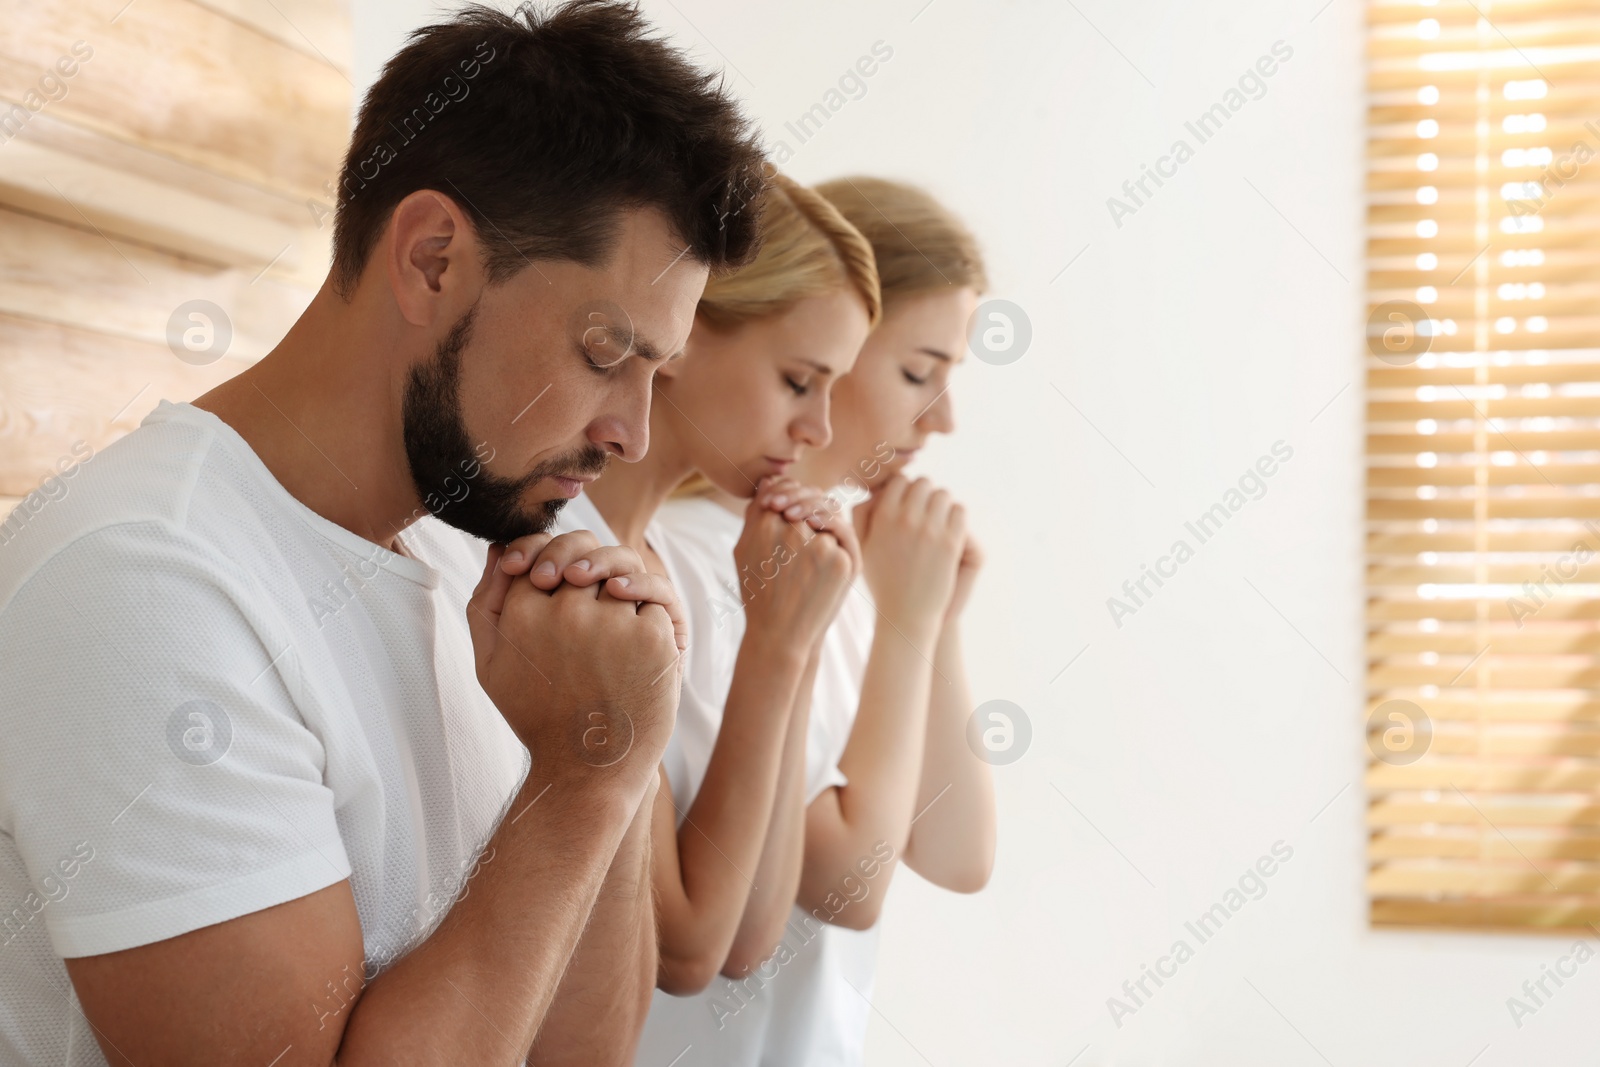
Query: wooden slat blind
x,y
1483,453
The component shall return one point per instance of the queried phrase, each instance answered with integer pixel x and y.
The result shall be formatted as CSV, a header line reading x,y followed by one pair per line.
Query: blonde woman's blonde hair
x,y
919,245
808,248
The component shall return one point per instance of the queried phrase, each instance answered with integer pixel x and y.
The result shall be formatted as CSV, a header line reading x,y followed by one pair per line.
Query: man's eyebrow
x,y
646,351
935,353
632,345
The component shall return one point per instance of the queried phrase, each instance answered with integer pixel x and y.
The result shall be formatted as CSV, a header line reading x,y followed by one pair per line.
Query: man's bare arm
x,y
255,989
604,996
258,987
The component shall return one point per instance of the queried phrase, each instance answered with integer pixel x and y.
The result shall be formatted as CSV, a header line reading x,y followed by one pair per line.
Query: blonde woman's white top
x,y
799,1006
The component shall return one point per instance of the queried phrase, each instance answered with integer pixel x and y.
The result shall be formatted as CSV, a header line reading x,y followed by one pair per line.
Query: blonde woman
x,y
749,396
889,777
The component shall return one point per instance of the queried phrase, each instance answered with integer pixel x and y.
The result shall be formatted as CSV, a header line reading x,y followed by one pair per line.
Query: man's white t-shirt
x,y
799,1007
217,700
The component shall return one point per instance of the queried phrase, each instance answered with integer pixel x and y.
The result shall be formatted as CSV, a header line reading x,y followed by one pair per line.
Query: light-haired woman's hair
x,y
919,245
808,249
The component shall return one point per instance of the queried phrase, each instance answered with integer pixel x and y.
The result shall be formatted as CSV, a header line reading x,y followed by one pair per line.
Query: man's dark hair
x,y
542,125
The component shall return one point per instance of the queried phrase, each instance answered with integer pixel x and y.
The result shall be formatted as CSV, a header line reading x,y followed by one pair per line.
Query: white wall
x,y
1225,714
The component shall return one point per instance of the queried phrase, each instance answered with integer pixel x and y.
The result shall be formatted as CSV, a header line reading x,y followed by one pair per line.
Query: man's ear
x,y
431,258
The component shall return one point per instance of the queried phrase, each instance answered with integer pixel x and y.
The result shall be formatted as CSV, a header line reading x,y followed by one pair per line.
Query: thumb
x,y
483,609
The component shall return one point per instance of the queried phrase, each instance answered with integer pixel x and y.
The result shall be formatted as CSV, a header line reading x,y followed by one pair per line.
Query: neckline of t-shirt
x,y
719,508
406,566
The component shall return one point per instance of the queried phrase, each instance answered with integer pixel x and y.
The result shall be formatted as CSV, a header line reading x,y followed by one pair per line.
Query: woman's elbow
x,y
748,953
969,879
685,975
963,871
859,914
974,874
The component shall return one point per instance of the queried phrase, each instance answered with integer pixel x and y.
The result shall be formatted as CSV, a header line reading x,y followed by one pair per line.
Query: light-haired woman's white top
x,y
808,1004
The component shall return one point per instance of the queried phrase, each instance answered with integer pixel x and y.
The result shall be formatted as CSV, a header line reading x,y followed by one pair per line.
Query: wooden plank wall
x,y
154,153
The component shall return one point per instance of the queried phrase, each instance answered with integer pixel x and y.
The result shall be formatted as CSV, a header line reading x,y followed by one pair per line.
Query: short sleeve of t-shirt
x,y
156,775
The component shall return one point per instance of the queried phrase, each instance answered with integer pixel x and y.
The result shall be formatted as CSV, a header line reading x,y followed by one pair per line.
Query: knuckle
x,y
520,608
570,602
576,541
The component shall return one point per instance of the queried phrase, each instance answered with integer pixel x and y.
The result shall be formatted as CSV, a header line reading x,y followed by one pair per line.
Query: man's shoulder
x,y
139,488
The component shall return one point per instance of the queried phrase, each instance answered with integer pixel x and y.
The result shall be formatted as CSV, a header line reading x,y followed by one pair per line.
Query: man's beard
x,y
451,475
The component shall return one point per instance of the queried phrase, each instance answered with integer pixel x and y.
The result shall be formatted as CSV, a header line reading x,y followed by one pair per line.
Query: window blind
x,y
1483,464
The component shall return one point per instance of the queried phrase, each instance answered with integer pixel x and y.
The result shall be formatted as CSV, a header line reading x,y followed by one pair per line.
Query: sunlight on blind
x,y
1483,453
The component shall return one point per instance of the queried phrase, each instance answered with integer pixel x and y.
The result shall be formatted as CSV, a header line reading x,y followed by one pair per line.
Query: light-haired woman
x,y
889,776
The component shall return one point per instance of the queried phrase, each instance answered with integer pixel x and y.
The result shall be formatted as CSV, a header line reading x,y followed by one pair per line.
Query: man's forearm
x,y
604,995
477,990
